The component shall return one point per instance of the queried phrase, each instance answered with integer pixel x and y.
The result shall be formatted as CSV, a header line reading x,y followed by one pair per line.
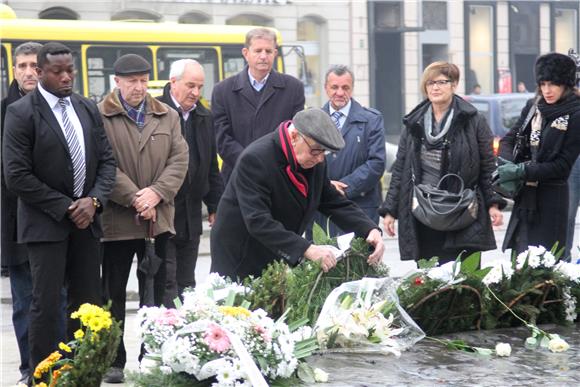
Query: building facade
x,y
387,43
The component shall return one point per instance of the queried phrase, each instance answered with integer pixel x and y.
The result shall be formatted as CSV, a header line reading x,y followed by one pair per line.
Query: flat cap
x,y
131,64
317,124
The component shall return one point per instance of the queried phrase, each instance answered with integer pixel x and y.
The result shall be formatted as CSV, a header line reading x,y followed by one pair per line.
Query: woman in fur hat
x,y
538,154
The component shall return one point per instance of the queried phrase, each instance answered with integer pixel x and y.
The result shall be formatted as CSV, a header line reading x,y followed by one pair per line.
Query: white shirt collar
x,y
177,105
50,98
345,110
254,81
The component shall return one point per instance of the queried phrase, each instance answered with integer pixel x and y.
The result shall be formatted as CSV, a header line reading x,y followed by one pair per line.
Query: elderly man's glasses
x,y
314,151
440,83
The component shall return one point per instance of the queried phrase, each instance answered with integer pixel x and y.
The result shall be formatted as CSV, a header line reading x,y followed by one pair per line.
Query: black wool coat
x,y
558,150
470,156
239,120
262,216
12,252
38,167
203,182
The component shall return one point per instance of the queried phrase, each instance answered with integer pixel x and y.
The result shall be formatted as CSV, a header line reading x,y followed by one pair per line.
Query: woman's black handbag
x,y
442,210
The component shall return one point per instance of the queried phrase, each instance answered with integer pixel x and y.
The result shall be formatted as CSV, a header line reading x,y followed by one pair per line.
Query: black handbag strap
x,y
459,200
452,175
519,134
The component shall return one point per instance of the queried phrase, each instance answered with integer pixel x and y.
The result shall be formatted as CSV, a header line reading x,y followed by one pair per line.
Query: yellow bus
x,y
97,44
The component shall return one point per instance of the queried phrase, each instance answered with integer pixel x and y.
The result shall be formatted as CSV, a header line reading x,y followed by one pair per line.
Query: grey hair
x,y
178,67
339,70
260,33
28,48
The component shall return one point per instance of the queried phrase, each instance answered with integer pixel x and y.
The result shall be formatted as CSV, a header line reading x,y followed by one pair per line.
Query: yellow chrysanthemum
x,y
79,334
235,311
41,384
45,365
94,317
63,347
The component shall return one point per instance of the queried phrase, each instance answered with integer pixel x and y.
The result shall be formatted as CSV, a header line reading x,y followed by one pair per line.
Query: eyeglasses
x,y
440,83
314,151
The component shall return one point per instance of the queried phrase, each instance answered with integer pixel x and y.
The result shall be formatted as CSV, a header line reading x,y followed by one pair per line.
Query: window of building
x,y
100,60
480,51
60,13
524,41
194,18
311,34
565,21
136,14
251,20
434,52
388,14
435,15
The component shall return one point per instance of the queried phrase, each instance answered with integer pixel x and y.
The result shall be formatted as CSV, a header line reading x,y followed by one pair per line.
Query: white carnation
x,y
548,260
445,273
569,270
499,269
503,349
558,345
320,376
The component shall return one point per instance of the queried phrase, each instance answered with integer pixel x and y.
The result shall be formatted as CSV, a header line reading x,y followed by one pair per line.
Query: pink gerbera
x,y
217,339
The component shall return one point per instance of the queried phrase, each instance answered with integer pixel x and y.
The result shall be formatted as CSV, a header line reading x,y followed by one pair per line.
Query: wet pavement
x,y
426,364
430,364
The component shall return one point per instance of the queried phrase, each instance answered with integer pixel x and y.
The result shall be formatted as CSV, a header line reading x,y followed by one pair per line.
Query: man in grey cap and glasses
x,y
152,158
276,187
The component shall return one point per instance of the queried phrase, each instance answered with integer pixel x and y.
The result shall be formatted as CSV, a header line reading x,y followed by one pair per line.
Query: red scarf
x,y
297,178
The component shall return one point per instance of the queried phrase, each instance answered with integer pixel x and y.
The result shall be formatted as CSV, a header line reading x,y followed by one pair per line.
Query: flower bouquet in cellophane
x,y
365,316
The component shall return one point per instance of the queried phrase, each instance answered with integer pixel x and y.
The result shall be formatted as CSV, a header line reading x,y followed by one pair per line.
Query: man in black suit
x,y
202,183
59,163
253,102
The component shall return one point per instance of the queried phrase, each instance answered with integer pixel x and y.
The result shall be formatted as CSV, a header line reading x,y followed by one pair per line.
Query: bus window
x,y
3,72
207,57
78,82
233,59
100,60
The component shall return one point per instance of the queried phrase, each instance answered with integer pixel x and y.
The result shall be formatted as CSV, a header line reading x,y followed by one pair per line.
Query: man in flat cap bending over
x,y
276,187
152,158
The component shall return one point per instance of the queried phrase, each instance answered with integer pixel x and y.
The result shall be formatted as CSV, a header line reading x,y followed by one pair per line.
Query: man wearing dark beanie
x,y
152,159
538,153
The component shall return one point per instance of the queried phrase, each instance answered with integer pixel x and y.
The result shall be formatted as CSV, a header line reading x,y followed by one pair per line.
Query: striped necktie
x,y
336,118
75,150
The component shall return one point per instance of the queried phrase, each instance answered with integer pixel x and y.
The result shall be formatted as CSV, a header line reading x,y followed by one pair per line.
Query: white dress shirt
x,y
52,101
345,110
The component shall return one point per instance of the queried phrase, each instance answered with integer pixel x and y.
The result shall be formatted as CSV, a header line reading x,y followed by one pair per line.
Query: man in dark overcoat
x,y
57,160
202,183
13,254
274,191
253,102
357,169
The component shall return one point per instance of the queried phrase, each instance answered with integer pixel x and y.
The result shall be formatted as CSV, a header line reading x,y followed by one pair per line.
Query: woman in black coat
x,y
545,152
443,134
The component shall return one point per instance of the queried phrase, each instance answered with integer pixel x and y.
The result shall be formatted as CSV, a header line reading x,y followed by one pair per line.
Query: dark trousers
x,y
74,263
117,261
574,188
180,264
21,289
